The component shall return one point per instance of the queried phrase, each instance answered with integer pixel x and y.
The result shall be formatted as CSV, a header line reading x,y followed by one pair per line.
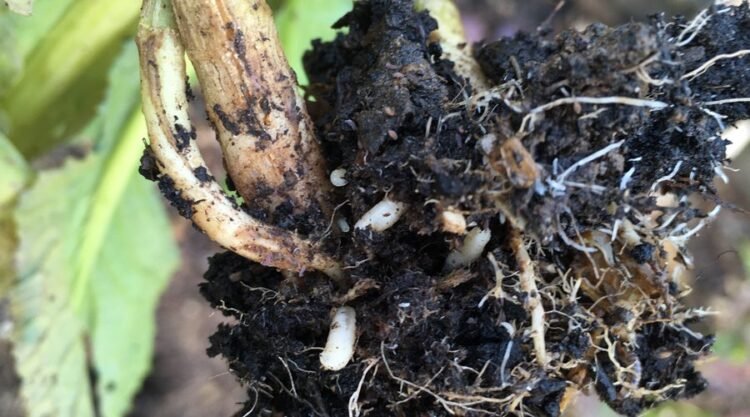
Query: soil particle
x,y
148,167
202,174
642,253
167,187
189,91
183,136
225,120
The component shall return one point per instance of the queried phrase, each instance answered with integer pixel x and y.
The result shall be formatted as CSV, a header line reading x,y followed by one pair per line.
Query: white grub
x,y
339,347
470,250
381,216
452,222
343,225
338,177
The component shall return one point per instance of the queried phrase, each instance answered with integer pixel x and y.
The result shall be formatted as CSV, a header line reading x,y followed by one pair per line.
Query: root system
x,y
503,246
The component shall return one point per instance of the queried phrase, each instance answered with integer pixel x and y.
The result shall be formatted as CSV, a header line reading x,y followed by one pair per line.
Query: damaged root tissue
x,y
579,162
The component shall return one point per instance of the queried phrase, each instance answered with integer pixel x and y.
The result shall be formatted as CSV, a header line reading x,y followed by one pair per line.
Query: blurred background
x,y
105,317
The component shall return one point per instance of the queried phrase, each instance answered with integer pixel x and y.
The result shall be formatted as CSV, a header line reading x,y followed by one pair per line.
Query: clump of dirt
x,y
579,164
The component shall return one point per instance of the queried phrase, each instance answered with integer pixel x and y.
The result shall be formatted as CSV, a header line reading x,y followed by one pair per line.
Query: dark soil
x,y
403,123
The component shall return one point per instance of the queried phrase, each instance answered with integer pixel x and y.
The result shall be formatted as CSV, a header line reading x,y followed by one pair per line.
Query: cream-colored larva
x,y
381,216
339,347
338,177
470,250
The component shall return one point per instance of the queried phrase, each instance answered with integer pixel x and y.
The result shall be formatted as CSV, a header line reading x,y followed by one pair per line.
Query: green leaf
x,y
135,266
23,7
14,172
64,75
19,35
95,253
10,59
14,175
31,30
745,255
301,21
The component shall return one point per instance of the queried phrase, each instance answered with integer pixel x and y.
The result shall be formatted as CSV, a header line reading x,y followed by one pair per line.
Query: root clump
x,y
580,164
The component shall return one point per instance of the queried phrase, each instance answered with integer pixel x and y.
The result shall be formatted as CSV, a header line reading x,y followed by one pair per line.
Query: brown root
x,y
179,161
268,141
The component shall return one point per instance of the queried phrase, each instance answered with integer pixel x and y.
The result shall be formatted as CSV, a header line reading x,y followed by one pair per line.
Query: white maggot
x,y
470,250
381,216
339,347
338,177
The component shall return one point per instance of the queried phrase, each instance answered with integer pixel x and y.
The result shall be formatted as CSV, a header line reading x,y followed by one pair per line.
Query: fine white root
x,y
693,28
720,173
527,281
497,291
727,101
165,105
681,240
625,101
339,348
452,222
570,242
381,216
667,177
470,250
718,117
711,62
626,179
354,409
594,156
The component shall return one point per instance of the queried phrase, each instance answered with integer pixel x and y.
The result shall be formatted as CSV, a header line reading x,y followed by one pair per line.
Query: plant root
x,y
176,163
520,214
271,153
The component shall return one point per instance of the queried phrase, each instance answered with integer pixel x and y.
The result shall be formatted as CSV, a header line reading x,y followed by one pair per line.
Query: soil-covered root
x,y
574,172
268,143
173,160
